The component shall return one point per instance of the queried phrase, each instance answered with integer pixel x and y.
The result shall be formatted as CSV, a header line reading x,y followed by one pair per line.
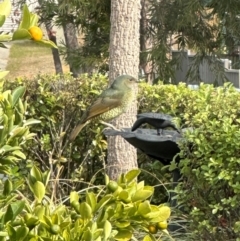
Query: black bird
x,y
158,120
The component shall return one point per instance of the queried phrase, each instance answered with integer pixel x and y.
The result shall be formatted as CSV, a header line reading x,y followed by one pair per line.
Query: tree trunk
x,y
124,59
72,44
145,42
56,57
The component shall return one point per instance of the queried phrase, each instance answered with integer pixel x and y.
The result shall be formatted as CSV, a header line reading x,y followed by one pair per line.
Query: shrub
x,y
209,154
117,211
59,102
210,157
14,129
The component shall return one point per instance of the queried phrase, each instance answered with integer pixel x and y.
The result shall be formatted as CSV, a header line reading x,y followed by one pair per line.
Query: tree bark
x,y
72,44
145,42
56,57
124,59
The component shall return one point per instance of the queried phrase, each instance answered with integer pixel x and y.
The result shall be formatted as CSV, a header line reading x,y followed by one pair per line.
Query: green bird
x,y
111,103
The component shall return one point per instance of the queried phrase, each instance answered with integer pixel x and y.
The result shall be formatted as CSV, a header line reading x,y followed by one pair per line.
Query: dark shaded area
x,y
162,148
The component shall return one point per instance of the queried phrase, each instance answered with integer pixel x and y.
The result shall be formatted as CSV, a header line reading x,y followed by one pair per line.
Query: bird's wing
x,y
108,100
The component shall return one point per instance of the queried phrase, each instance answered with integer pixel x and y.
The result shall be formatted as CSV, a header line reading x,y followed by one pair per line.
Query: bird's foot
x,y
109,126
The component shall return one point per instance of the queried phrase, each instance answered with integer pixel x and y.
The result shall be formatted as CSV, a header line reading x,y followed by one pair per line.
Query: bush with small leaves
x,y
94,214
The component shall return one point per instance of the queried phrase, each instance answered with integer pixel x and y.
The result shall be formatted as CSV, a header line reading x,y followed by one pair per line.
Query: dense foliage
x,y
115,211
209,191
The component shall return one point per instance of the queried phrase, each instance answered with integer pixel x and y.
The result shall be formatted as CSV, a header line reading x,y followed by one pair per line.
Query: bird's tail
x,y
76,131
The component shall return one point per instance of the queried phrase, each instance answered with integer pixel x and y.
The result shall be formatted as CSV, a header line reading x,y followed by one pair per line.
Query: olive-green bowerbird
x,y
111,103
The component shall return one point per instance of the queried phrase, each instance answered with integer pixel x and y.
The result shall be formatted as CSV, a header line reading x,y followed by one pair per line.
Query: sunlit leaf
x,y
21,34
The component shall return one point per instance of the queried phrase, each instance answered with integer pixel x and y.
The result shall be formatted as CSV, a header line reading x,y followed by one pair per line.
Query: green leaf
x,y
8,148
46,43
131,175
91,200
103,202
85,211
122,224
17,94
21,34
19,154
123,235
31,122
26,17
142,194
11,232
33,20
22,232
3,74
36,174
124,196
39,190
74,196
39,211
2,20
5,37
107,229
8,214
5,8
17,208
7,187
13,210
148,238
87,235
47,220
165,212
46,177
144,208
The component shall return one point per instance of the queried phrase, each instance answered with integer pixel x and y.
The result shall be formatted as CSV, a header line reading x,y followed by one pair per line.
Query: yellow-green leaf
x,y
7,187
141,195
46,43
103,202
5,8
2,20
107,229
74,196
123,235
17,94
21,34
131,175
25,23
91,200
36,174
165,212
33,20
144,208
39,190
85,210
4,37
147,238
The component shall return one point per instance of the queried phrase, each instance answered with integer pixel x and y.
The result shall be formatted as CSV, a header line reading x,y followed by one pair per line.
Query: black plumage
x,y
157,120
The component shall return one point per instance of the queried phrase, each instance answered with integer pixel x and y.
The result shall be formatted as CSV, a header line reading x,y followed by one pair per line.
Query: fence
x,y
206,74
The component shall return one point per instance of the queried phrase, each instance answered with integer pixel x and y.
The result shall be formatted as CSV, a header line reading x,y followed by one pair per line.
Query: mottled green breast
x,y
115,112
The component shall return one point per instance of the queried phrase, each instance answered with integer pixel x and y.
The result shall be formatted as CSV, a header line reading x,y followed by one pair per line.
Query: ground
x,y
29,59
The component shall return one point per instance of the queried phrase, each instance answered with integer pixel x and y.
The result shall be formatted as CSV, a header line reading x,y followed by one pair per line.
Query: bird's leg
x,y
109,125
159,132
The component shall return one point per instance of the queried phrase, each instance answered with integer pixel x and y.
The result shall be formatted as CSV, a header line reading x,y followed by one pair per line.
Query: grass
x,y
27,59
